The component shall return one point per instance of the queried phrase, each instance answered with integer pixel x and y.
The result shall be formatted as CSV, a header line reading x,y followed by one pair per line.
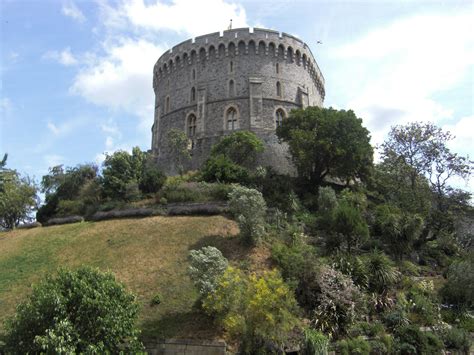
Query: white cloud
x,y
5,106
122,79
392,74
463,131
65,57
182,16
71,10
66,127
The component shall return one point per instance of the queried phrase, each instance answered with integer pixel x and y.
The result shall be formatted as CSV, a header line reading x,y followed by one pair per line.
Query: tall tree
x,y
327,142
178,145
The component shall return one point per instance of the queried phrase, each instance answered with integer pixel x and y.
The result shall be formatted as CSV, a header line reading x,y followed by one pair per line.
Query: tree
x,y
82,311
178,146
349,223
122,172
3,163
18,199
151,179
327,142
207,266
422,147
241,147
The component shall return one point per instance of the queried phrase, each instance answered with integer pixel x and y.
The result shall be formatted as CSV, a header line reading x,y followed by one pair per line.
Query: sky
x,y
76,75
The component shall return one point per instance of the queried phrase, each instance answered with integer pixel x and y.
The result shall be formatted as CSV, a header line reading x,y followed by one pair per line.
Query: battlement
x,y
236,42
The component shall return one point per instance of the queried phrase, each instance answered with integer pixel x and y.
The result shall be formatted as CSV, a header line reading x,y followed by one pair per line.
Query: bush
x,y
249,209
410,339
220,168
241,148
353,346
156,300
151,179
382,274
354,267
336,300
207,265
423,302
349,223
292,260
69,208
456,339
83,311
315,343
459,288
257,310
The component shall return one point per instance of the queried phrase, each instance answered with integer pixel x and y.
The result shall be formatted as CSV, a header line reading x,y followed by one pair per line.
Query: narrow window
x,y
193,94
191,126
279,116
231,117
278,89
231,88
231,66
277,68
167,104
194,74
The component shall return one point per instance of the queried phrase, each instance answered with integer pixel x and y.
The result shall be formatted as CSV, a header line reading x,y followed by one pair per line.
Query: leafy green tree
x,y
18,199
68,184
220,168
151,178
327,142
349,223
241,147
178,145
3,163
83,311
207,266
257,310
122,171
423,148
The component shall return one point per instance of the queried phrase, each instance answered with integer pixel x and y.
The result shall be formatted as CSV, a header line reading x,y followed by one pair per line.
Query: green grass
x,y
148,255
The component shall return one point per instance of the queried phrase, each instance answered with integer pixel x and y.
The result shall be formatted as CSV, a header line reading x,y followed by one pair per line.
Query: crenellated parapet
x,y
239,42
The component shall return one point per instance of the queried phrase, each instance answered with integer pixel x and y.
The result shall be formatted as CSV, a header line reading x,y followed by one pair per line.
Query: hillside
x,y
149,255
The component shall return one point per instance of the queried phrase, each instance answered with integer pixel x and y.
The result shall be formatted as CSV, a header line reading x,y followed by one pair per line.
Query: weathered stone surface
x,y
186,347
194,78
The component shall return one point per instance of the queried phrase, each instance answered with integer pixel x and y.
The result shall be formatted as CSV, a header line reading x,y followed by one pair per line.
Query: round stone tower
x,y
215,84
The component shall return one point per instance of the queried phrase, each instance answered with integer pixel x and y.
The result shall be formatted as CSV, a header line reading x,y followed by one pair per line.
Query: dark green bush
x,y
151,179
409,339
222,169
83,311
456,339
353,346
459,288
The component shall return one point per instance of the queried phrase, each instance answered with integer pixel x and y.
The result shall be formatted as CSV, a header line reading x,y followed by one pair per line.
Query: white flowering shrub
x,y
249,208
207,265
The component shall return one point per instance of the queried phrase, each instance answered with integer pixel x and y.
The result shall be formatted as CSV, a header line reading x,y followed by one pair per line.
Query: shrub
x,y
187,192
83,311
349,223
423,303
207,265
315,343
156,300
336,302
354,267
409,339
241,147
459,288
249,209
70,207
354,346
456,339
151,179
382,274
257,310
220,168
292,260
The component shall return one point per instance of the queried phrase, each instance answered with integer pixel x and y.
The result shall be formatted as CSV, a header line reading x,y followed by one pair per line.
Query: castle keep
x,y
215,84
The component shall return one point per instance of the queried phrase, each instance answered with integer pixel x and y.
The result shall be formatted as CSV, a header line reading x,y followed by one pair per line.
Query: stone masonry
x,y
240,79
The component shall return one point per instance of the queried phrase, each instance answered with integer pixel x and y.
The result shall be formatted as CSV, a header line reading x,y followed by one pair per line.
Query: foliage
x,y
254,309
456,339
292,260
249,209
221,168
206,266
3,170
315,343
85,311
349,223
381,272
335,302
352,346
79,183
459,287
241,147
326,142
409,339
354,267
195,192
178,146
151,179
17,199
399,229
423,303
156,300
122,172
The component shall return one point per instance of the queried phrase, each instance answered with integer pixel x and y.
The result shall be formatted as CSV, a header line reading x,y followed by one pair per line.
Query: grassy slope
x,y
148,255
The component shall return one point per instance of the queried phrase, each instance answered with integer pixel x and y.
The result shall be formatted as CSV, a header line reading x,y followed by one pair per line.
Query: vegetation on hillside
x,y
354,256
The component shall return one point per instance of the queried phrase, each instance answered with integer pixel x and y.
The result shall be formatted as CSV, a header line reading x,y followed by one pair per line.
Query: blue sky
x,y
76,75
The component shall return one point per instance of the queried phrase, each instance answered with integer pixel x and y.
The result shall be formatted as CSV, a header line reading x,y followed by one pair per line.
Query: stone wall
x,y
185,347
239,69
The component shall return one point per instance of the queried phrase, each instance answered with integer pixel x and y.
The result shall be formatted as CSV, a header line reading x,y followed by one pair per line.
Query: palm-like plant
x,y
381,272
